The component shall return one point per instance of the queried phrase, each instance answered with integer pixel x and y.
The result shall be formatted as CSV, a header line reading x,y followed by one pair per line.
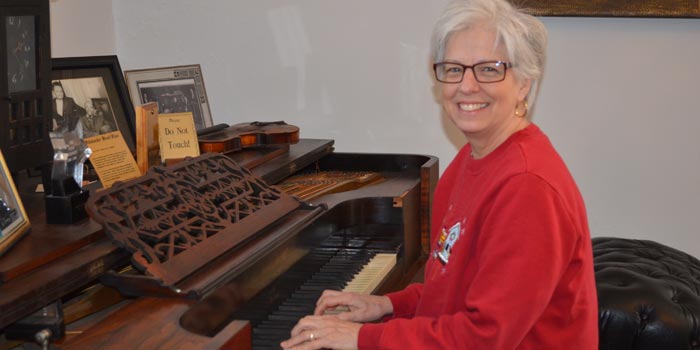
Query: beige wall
x,y
82,28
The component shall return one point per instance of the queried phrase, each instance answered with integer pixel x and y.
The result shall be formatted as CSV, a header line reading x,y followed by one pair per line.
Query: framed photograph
x,y
89,95
177,89
13,219
613,8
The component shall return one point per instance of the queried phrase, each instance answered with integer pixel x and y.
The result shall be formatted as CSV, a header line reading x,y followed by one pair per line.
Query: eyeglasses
x,y
484,72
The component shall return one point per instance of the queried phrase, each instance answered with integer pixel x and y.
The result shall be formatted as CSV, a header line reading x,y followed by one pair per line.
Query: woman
x,y
511,264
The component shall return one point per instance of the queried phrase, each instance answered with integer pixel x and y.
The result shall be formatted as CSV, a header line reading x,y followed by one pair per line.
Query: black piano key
x,y
268,343
301,309
282,317
267,332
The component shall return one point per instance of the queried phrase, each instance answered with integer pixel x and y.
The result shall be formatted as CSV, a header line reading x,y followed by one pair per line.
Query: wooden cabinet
x,y
25,80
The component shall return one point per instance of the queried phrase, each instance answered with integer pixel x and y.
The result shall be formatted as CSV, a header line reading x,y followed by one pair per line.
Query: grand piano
x,y
246,288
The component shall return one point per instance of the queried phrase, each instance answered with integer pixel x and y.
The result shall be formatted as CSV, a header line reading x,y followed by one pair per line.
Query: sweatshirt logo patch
x,y
446,242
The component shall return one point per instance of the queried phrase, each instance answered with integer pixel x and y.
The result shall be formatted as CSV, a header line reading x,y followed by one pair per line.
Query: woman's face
x,y
481,110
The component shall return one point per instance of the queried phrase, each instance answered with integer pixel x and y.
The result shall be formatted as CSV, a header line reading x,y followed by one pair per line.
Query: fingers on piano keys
x,y
367,280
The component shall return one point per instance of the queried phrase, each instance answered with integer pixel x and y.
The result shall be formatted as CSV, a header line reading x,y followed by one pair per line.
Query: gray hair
x,y
524,36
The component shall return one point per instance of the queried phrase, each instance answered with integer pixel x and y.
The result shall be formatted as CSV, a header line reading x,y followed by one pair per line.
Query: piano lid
x,y
176,219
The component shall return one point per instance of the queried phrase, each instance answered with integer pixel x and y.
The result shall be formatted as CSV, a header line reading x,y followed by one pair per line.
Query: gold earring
x,y
517,110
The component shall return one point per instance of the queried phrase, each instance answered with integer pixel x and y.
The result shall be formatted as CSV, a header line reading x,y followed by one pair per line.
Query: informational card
x,y
112,159
177,136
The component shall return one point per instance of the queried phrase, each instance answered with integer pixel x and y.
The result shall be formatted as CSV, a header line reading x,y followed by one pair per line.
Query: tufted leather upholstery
x,y
648,295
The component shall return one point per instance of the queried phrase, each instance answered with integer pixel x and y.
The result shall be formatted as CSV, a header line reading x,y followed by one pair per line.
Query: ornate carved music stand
x,y
177,219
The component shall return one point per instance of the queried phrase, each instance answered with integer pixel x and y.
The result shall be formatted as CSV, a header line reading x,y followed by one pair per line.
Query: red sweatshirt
x,y
511,264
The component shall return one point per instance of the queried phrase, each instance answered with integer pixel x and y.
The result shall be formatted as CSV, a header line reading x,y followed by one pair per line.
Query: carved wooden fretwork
x,y
175,219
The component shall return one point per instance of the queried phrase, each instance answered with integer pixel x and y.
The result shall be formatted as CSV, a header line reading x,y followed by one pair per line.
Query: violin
x,y
239,136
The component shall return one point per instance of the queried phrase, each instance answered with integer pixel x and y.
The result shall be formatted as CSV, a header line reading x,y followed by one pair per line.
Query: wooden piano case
x,y
205,307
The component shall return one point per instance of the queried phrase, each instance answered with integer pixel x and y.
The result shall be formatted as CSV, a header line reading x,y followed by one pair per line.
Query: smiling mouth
x,y
472,106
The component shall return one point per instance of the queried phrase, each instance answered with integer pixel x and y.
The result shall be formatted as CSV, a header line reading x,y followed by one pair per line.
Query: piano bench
x,y
648,295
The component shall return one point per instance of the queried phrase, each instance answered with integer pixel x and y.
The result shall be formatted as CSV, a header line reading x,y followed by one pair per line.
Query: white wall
x,y
619,100
82,28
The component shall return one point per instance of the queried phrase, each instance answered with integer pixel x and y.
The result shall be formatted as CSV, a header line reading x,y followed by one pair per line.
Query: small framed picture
x,y
176,89
13,219
89,95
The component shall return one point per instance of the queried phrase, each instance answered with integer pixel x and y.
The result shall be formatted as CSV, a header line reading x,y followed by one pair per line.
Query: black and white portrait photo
x,y
174,96
82,105
178,89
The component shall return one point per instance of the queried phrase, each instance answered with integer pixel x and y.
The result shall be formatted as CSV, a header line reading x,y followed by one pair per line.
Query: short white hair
x,y
523,36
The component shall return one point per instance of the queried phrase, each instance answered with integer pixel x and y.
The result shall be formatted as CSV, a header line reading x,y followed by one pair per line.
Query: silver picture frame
x,y
176,89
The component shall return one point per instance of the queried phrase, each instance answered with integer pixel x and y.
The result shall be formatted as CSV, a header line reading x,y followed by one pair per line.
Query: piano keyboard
x,y
367,280
275,310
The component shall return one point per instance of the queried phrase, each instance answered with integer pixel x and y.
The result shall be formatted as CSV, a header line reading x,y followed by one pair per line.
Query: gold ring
x,y
311,336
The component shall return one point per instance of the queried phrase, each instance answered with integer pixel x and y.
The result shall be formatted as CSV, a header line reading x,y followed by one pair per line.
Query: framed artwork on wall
x,y
89,95
176,89
14,222
612,8
25,66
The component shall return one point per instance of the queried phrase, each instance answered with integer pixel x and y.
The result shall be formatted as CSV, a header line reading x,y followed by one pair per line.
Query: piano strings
x,y
315,184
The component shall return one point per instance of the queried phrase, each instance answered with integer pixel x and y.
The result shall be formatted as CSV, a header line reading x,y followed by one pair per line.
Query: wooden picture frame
x,y
14,222
92,82
176,89
612,8
25,95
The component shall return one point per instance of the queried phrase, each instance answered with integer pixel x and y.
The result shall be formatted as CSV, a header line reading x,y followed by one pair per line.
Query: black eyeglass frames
x,y
484,72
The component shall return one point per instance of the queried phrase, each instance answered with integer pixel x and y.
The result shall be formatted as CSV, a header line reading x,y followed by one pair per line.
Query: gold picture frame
x,y
14,222
612,8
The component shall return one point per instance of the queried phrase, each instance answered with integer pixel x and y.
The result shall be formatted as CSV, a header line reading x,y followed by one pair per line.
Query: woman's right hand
x,y
353,306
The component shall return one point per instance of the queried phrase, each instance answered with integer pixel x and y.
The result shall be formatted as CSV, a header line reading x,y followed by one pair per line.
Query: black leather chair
x,y
648,295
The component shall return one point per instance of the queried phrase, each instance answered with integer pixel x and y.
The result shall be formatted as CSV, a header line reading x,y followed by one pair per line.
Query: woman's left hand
x,y
323,332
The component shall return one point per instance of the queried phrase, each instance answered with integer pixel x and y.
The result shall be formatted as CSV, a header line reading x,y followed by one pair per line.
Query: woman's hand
x,y
323,332
353,306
